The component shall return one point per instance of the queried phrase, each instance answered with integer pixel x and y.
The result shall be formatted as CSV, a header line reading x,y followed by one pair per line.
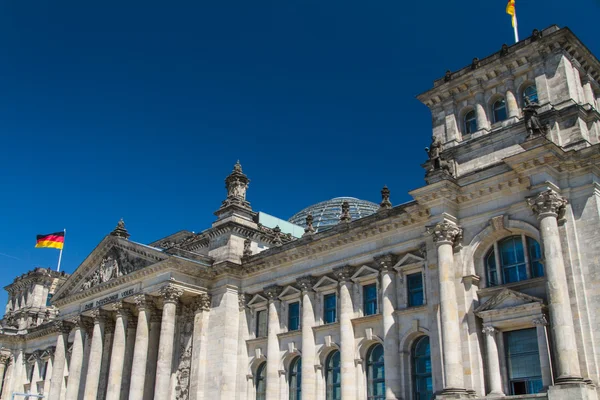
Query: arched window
x,y
499,110
531,93
422,382
333,376
295,379
261,386
375,373
514,259
470,122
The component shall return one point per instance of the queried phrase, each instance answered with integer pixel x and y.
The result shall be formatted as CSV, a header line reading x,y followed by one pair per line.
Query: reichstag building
x,y
486,284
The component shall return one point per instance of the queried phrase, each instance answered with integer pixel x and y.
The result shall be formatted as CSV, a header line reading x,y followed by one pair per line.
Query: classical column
x,y
390,330
493,362
155,319
512,108
95,360
129,347
548,206
347,348
588,92
171,295
482,119
545,363
60,359
4,359
201,305
272,292
309,382
76,363
140,350
445,235
117,357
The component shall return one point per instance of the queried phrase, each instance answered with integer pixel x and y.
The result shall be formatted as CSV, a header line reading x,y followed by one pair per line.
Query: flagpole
x,y
516,27
60,254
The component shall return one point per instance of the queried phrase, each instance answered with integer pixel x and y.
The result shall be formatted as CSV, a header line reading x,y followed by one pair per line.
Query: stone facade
x,y
484,285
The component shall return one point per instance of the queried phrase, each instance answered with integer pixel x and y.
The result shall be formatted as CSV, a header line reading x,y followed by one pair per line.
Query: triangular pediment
x,y
507,299
364,272
289,291
256,300
409,259
324,283
113,258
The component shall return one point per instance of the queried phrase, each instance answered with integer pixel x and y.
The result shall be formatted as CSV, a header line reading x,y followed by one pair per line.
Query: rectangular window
x,y
48,299
31,373
44,370
415,289
329,301
370,299
523,362
261,323
294,316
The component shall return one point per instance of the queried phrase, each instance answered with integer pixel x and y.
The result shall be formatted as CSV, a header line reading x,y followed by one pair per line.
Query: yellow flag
x,y
510,10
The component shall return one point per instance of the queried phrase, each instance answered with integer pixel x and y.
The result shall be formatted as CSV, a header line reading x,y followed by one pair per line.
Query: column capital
x,y
143,302
171,293
4,359
272,292
243,299
489,330
548,203
384,262
63,327
446,232
343,273
306,283
121,310
201,302
98,316
540,321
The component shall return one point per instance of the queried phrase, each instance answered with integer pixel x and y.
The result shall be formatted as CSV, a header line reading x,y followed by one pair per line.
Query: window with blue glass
x,y
295,379
261,323
333,380
48,299
514,259
530,92
370,299
499,110
294,316
523,362
414,283
329,314
421,361
375,373
261,384
470,122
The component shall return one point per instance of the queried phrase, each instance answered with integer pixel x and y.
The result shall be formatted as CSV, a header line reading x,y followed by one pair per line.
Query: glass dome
x,y
327,213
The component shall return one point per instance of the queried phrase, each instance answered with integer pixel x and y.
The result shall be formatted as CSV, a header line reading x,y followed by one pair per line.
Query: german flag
x,y
53,240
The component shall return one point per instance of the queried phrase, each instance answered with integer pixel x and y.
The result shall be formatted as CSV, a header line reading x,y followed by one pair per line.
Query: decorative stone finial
x,y
247,250
476,63
547,203
120,230
237,184
385,199
309,230
345,216
448,76
504,50
277,239
446,233
237,167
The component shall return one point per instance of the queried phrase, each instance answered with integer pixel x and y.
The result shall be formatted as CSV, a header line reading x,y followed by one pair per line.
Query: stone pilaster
x,y
93,371
152,354
7,381
60,360
347,348
493,362
549,207
309,380
545,362
200,305
76,362
140,349
4,359
446,235
129,348
117,359
272,292
170,295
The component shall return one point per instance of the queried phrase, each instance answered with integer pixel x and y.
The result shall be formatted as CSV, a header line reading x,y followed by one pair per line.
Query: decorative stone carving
x,y
436,161
345,217
120,230
448,76
385,204
243,299
343,273
143,301
171,294
236,184
202,302
277,238
4,359
489,330
497,223
504,50
272,292
547,203
532,120
97,316
63,327
384,262
309,230
540,321
115,264
476,63
423,250
306,283
247,250
446,232
535,35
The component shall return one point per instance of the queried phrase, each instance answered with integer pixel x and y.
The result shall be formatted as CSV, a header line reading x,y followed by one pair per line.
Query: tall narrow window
x,y
48,299
261,387
470,122
535,258
530,92
490,263
514,259
370,299
499,110
333,376
261,323
294,316
415,289
295,379
329,315
523,362
422,381
375,373
44,371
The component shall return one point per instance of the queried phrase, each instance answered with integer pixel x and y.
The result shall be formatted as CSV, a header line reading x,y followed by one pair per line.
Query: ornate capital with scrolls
x,y
243,299
306,283
143,302
97,316
121,310
540,321
548,203
272,292
343,273
171,294
202,302
446,233
4,359
489,330
384,262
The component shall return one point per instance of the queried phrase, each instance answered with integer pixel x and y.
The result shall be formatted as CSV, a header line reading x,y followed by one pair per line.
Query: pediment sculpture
x,y
115,264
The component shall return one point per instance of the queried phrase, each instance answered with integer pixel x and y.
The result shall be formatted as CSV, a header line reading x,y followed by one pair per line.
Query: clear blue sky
x,y
139,109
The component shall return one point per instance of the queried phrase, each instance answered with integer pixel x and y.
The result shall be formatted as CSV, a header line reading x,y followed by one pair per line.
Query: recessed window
x,y
294,316
370,299
295,379
414,283
261,386
375,373
470,122
329,314
523,362
44,370
514,259
48,299
499,110
261,323
422,381
531,93
333,380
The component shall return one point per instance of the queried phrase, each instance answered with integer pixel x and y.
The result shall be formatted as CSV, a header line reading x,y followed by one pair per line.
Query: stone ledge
x,y
325,327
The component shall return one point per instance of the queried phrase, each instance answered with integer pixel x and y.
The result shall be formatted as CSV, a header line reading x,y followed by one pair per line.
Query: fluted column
x,y
445,235
7,381
4,359
493,362
93,371
76,363
171,295
140,349
309,382
153,342
117,358
390,330
272,292
347,350
512,107
129,347
201,305
548,206
60,360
